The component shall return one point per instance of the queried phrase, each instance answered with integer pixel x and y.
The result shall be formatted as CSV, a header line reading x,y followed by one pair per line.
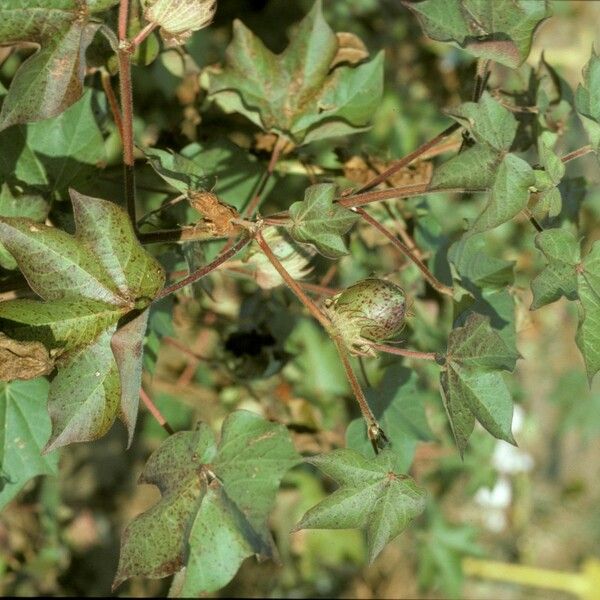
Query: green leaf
x,y
587,99
89,282
488,121
296,93
127,345
509,194
549,200
475,267
566,274
84,396
371,496
588,332
472,385
24,430
473,169
501,30
318,221
51,79
214,506
31,206
398,405
559,278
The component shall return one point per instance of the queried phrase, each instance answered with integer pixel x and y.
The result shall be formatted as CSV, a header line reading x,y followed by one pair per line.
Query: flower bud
x,y
179,18
372,309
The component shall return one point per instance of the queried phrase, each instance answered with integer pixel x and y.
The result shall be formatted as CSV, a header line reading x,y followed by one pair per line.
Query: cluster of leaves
x,y
97,290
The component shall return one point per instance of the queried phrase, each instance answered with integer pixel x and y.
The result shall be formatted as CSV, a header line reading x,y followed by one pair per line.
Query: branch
x,y
155,412
435,283
439,358
206,269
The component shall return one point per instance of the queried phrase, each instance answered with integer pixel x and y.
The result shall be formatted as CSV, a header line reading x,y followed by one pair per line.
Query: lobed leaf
x,y
89,282
319,221
509,194
371,496
50,80
472,386
214,506
501,30
297,93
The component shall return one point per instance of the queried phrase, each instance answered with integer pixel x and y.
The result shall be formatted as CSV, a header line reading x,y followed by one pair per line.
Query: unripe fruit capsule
x,y
372,309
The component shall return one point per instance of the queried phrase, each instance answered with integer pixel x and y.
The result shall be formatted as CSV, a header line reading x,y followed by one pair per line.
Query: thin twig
x,y
112,101
293,285
404,352
155,412
431,278
374,431
143,34
409,158
577,153
123,16
206,269
376,434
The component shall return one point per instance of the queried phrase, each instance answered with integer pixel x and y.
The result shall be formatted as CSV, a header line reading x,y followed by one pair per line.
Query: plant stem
x,y
376,434
293,285
435,283
406,160
374,430
404,352
155,412
254,203
124,59
206,269
577,153
185,234
123,15
143,34
112,101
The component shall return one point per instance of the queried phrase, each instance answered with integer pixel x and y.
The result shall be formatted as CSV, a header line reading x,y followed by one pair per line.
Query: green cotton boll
x,y
370,310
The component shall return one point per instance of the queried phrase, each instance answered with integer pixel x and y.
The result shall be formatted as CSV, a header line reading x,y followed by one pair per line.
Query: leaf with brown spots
x,y
51,79
501,30
87,283
215,503
300,93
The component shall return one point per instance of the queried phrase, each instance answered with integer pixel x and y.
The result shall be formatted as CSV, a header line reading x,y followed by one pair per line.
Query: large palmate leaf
x,y
399,406
472,383
501,30
297,93
86,283
24,430
215,502
319,221
587,99
371,496
52,78
566,274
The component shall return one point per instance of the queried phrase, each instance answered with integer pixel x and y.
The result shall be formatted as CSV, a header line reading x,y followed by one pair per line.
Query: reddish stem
x,y
155,412
293,285
205,270
406,160
577,153
404,352
435,283
112,101
123,15
143,34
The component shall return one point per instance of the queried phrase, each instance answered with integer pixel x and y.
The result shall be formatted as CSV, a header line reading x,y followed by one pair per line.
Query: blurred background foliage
x,y
537,504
